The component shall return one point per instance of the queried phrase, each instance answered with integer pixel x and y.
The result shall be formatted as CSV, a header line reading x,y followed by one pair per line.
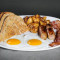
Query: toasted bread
x,y
3,16
13,25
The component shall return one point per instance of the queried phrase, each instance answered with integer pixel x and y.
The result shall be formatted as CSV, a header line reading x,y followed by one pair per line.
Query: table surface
x,y
6,54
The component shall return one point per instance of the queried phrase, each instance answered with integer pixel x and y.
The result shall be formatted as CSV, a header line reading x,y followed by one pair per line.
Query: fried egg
x,y
13,41
26,41
34,42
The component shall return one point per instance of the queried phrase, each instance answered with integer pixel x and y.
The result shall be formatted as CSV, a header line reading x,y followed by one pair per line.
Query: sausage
x,y
50,32
42,32
57,39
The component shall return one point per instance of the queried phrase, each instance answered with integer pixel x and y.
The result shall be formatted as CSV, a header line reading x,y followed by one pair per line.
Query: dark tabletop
x,y
25,55
27,7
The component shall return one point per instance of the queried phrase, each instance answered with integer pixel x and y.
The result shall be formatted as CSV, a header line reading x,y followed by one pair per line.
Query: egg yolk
x,y
13,42
34,42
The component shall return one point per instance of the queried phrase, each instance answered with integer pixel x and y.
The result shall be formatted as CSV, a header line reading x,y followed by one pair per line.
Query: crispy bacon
x,y
57,39
56,24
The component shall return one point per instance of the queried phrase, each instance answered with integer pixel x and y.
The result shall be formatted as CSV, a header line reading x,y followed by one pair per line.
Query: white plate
x,y
24,46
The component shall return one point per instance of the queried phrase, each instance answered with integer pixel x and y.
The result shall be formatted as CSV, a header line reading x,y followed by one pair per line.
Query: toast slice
x,y
3,16
13,25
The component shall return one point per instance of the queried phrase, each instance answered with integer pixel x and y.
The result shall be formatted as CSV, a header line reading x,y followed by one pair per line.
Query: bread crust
x,y
1,14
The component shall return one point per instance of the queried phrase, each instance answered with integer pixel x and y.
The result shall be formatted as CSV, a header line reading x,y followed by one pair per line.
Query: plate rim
x,y
5,47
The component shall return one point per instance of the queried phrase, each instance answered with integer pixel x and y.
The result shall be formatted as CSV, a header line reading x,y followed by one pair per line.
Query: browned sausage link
x,y
50,32
42,32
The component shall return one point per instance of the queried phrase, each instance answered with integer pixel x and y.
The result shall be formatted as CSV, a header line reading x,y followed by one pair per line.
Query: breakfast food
x,y
39,24
50,32
57,39
56,25
32,22
33,27
42,32
34,42
12,25
44,28
3,16
13,42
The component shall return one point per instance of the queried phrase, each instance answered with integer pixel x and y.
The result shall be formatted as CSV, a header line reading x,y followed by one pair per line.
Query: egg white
x,y
19,37
24,38
30,35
